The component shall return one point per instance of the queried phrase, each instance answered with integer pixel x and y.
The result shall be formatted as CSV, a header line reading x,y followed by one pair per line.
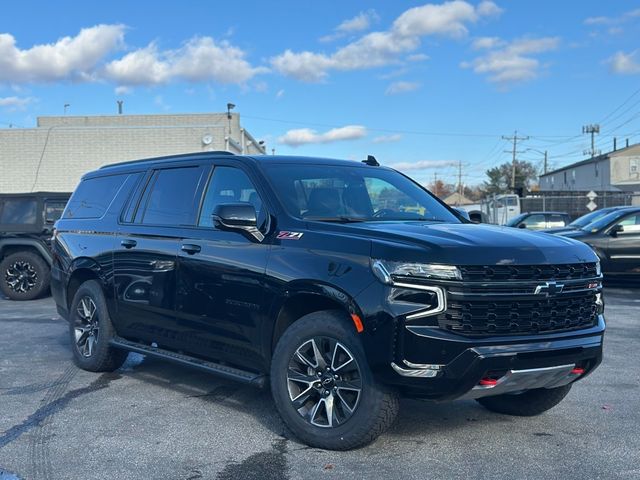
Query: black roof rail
x,y
167,157
371,160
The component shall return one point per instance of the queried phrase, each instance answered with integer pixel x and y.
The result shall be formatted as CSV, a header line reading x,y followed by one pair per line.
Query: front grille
x,y
492,273
568,311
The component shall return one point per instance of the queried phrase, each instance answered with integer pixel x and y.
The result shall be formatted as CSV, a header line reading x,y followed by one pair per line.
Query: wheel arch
x,y
302,299
13,245
82,270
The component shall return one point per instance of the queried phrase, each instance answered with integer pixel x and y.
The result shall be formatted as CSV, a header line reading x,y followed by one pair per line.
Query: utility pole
x,y
515,139
592,129
545,161
435,183
460,189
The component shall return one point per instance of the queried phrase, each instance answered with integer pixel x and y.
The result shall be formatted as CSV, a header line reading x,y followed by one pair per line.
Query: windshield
x,y
603,221
589,218
337,193
514,221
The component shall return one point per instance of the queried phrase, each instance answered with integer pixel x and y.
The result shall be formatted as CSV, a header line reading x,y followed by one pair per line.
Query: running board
x,y
244,376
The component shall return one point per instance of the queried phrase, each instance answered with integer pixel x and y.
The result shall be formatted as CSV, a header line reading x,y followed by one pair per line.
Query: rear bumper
x,y
432,363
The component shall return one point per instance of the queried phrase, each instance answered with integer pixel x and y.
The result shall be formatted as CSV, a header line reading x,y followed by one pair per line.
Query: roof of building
x,y
456,199
597,158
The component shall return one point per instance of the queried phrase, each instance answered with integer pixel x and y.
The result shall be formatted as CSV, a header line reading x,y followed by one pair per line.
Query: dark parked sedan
x,y
616,239
540,220
584,220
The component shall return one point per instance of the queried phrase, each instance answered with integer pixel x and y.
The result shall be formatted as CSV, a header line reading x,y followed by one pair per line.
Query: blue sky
x,y
420,85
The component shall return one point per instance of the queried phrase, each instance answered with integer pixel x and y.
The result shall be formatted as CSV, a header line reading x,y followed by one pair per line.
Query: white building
x,y
54,155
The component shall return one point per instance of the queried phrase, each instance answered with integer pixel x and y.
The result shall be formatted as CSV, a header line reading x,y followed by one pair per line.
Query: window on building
x,y
18,211
633,167
565,177
596,167
172,200
93,196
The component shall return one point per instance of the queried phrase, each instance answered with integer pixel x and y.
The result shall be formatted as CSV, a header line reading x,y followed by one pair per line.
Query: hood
x,y
468,244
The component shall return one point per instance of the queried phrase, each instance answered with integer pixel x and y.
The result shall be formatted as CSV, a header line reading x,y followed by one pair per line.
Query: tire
x,y
361,408
90,330
24,276
527,404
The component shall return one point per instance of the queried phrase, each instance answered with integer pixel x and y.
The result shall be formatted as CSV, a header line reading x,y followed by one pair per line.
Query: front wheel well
x,y
78,277
297,307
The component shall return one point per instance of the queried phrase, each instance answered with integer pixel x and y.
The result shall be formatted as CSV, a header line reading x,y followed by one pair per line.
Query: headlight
x,y
598,269
385,270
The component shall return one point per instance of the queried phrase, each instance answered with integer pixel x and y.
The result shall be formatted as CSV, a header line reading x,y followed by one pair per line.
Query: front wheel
x,y
322,385
526,404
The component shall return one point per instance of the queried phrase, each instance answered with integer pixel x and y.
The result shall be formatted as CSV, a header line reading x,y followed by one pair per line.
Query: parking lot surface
x,y
155,420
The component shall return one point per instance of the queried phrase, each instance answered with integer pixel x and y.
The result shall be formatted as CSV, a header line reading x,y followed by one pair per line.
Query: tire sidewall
x,y
322,324
38,264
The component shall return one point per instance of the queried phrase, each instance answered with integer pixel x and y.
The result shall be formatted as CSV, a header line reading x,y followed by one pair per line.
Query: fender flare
x,y
28,242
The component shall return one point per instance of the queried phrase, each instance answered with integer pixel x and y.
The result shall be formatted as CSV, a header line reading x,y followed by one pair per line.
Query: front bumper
x,y
432,363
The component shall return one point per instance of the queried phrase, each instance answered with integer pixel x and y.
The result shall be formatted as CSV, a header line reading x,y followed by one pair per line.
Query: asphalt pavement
x,y
154,420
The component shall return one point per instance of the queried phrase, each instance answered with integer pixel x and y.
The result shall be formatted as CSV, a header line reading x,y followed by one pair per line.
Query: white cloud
x,y
304,136
602,20
15,103
280,93
201,59
423,165
417,57
69,58
123,90
625,63
482,43
359,23
401,87
396,137
512,62
376,49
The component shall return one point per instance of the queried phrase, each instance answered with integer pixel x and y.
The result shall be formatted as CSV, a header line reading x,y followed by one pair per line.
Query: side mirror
x,y
237,217
616,230
462,212
522,225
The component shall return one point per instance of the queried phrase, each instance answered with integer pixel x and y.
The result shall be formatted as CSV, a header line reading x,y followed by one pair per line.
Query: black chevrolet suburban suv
x,y
340,284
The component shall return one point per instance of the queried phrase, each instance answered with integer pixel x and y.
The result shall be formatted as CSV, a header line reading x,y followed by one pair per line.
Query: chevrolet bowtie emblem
x,y
549,289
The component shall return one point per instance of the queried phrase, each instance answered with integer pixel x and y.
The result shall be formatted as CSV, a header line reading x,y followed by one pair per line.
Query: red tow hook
x,y
577,371
488,382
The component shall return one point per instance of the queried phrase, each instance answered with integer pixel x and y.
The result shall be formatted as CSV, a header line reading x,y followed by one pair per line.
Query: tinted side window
x,y
93,196
53,210
557,221
19,211
229,185
172,200
631,224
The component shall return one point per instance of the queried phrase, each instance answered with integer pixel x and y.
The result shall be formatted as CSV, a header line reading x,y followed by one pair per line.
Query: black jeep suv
x,y
26,222
341,284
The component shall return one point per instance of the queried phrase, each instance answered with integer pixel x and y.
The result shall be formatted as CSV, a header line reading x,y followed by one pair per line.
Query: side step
x,y
244,376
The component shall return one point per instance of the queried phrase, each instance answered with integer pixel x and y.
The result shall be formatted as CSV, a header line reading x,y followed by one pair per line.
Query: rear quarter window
x,y
93,196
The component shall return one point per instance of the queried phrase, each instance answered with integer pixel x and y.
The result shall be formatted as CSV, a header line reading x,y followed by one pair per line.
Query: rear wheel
x,y
24,276
323,387
91,330
526,404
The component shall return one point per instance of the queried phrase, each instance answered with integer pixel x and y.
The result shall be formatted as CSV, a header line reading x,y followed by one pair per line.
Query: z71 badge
x,y
289,235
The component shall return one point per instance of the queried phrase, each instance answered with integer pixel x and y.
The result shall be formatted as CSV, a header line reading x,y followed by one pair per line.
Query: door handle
x,y
128,243
190,248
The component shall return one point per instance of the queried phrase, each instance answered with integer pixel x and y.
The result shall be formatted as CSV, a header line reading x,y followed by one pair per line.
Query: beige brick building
x,y
54,155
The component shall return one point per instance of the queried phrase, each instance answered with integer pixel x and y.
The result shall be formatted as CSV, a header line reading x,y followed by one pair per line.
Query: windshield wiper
x,y
338,219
